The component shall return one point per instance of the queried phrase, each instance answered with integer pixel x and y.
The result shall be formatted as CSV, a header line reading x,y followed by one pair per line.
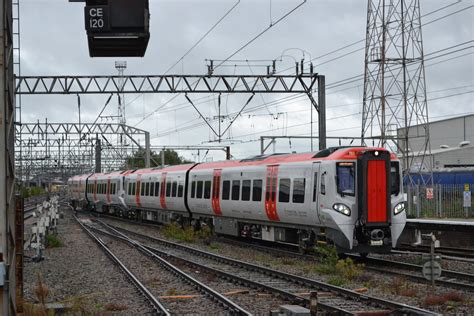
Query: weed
x,y
115,307
172,292
449,298
52,241
287,261
174,231
99,305
454,297
337,280
433,300
214,246
408,292
398,284
328,259
348,269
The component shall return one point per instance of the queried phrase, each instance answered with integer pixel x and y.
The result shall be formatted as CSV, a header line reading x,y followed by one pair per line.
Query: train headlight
x,y
400,207
342,208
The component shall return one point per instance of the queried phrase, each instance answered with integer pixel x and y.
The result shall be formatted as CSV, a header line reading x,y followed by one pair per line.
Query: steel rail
x,y
228,304
290,296
148,295
418,268
375,263
398,307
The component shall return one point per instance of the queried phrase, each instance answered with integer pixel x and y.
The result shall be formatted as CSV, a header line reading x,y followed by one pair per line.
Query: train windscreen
x,y
345,178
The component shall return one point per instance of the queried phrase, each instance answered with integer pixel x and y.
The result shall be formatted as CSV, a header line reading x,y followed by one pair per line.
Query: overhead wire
x,y
343,81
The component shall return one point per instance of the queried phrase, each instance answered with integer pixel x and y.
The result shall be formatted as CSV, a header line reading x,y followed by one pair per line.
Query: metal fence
x,y
438,201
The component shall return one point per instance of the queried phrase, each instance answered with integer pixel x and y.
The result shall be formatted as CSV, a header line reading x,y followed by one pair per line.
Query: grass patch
x,y
337,280
52,241
188,234
348,269
328,259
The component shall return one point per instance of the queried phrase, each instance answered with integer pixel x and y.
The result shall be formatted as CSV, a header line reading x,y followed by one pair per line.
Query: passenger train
x,y
349,196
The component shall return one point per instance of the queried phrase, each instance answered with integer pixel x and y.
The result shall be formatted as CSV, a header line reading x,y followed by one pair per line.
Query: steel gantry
x,y
63,149
302,83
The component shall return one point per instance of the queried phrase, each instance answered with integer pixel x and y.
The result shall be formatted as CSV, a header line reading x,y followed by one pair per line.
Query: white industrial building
x,y
452,143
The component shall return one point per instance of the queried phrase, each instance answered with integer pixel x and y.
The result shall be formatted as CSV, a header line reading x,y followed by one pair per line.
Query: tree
x,y
137,161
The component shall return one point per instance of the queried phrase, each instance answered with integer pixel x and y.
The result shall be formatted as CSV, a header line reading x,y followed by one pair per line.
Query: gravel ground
x,y
79,273
372,283
161,282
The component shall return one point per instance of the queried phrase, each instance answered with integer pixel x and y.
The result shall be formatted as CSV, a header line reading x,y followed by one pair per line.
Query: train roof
x,y
332,153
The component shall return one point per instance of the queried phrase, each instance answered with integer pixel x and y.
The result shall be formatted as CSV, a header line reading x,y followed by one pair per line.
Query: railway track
x,y
332,299
447,252
210,297
452,279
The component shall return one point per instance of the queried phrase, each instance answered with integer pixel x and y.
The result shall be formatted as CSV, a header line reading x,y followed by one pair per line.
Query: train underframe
x,y
305,238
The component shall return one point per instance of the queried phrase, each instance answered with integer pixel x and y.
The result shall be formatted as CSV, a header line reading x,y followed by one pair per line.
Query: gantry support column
x,y
9,295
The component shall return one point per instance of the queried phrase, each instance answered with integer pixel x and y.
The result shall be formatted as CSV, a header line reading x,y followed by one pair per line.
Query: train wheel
x,y
363,255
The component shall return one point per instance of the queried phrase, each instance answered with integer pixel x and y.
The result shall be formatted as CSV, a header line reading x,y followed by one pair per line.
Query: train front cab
x,y
365,212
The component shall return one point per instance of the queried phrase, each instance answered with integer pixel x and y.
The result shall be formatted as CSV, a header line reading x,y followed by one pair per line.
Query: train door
x,y
315,172
373,173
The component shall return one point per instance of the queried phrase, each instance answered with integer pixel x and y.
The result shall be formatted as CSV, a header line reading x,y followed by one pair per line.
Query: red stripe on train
x,y
270,193
216,186
137,191
163,191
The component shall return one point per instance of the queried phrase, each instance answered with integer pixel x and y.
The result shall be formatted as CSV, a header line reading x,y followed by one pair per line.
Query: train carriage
x,y
349,196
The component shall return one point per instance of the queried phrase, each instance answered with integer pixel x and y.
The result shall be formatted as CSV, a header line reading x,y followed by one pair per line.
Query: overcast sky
x,y
53,42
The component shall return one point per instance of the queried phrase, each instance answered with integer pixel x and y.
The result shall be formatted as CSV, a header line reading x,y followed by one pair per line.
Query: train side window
x,y
225,190
199,190
298,190
142,189
323,183
193,189
315,186
180,189
152,188
207,189
257,190
235,190
147,189
168,189
157,189
394,178
133,188
174,190
245,190
284,191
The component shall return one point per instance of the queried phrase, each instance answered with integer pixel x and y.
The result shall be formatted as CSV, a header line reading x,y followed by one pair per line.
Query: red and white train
x,y
350,196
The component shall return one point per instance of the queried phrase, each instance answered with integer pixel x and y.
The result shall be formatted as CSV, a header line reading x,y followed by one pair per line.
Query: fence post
x,y
440,200
436,189
418,201
409,204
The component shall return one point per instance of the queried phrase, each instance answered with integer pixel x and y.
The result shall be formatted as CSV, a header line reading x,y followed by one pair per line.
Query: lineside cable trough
x,y
47,215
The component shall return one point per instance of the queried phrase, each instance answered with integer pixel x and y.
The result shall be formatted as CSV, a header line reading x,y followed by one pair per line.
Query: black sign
x,y
97,18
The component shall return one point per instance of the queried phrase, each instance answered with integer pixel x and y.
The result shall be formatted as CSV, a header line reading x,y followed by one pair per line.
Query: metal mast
x,y
395,111
121,66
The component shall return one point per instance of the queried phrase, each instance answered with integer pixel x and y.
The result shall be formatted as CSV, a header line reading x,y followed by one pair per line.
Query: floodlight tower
x,y
395,111
121,66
